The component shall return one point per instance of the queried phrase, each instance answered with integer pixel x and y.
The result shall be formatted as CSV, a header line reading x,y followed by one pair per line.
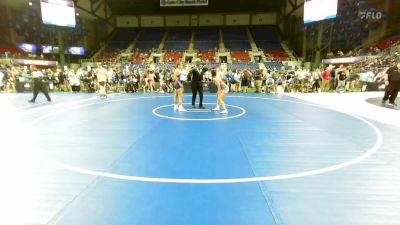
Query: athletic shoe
x,y
384,102
181,109
193,106
202,107
392,104
176,107
225,111
216,108
31,101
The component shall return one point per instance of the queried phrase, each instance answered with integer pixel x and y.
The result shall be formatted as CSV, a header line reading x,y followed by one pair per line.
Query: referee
x,y
196,75
393,85
39,85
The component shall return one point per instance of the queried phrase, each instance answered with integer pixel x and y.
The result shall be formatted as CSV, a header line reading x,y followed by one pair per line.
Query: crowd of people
x,y
159,77
153,79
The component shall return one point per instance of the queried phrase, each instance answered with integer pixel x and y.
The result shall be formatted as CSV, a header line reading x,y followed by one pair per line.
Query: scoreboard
x,y
172,3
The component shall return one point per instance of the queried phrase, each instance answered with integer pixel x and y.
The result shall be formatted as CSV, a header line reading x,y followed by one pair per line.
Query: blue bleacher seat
x,y
150,38
178,39
122,39
206,39
236,39
266,37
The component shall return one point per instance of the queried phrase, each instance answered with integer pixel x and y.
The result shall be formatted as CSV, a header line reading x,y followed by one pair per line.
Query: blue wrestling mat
x,y
273,160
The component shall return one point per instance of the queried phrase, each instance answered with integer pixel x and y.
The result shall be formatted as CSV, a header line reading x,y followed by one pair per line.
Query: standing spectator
x,y
62,79
306,84
288,82
392,85
326,76
74,81
110,78
51,78
235,81
265,74
245,80
333,81
136,80
1,80
316,78
10,81
352,81
341,78
157,79
258,80
297,84
270,85
150,80
102,80
280,85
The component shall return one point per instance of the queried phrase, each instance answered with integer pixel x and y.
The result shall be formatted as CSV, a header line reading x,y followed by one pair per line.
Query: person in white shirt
x,y
72,80
102,79
39,85
111,78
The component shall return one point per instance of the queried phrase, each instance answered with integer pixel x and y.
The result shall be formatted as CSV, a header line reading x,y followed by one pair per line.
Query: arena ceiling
x,y
126,7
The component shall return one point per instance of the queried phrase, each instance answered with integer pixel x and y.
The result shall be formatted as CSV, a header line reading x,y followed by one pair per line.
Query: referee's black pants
x,y
39,85
391,92
197,87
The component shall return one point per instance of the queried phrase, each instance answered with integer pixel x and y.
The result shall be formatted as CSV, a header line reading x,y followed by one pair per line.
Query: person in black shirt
x,y
341,77
196,74
258,80
393,85
39,85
